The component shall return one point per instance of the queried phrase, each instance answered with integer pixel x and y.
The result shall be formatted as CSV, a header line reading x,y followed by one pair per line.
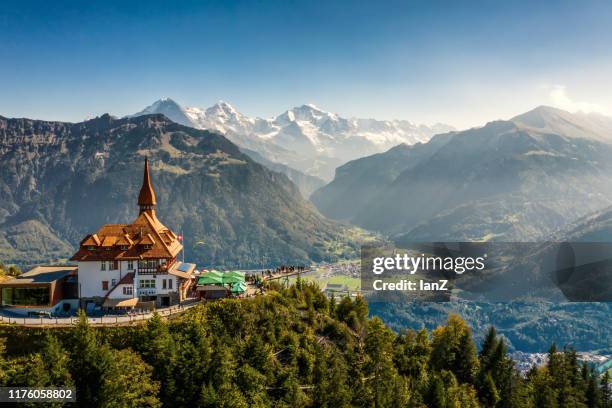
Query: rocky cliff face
x,y
60,181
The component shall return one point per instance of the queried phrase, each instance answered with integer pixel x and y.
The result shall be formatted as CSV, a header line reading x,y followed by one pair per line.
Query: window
x,y
130,265
36,296
170,283
128,290
104,285
113,282
124,247
147,283
113,265
164,284
103,266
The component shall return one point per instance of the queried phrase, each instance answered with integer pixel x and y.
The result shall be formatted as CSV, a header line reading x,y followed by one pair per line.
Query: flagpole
x,y
183,242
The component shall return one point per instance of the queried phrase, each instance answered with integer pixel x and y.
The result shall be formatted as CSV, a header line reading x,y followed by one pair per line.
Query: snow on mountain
x,y
304,137
170,108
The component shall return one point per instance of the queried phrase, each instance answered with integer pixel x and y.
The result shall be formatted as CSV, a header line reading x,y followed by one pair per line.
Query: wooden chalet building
x,y
122,265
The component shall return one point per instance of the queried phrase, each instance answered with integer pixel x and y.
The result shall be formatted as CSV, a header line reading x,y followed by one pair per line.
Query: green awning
x,y
215,273
210,278
233,277
239,287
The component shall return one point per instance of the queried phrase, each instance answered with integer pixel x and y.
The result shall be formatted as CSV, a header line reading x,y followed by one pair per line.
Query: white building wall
x,y
125,264
118,292
159,284
91,276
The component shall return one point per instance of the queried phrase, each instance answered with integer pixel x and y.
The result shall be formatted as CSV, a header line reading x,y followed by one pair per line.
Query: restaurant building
x,y
122,265
48,289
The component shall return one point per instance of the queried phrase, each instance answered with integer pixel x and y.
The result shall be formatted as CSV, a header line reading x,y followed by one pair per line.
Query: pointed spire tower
x,y
146,198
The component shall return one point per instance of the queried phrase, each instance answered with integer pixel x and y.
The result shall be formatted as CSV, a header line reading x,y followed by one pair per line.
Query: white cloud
x,y
559,98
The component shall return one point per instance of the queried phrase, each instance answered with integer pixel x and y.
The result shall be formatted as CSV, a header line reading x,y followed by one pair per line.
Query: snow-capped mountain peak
x,y
162,103
306,113
222,108
168,107
307,132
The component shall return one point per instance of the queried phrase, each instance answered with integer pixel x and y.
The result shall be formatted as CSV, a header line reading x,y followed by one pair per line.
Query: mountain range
x,y
542,174
514,180
61,181
305,138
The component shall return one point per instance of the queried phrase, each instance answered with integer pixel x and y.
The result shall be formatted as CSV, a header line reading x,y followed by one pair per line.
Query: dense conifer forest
x,y
292,348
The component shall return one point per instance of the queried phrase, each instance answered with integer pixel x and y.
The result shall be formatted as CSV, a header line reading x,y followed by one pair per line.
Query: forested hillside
x,y
294,348
528,326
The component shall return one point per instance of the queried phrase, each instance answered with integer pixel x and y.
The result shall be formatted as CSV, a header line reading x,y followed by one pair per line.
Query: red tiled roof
x,y
109,241
147,240
128,279
125,240
145,230
91,240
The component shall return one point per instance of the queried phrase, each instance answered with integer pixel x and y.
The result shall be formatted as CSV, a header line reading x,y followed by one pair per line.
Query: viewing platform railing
x,y
100,320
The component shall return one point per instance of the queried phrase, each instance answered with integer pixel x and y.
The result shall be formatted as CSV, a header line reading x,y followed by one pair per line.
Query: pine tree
x,y
488,391
128,382
332,305
4,375
189,373
158,350
293,395
208,396
502,370
466,363
329,377
436,393
89,361
454,350
489,345
56,362
379,369
412,351
606,393
591,391
252,384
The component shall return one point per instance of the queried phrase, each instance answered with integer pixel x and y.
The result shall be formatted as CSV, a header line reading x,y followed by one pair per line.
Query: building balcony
x,y
157,270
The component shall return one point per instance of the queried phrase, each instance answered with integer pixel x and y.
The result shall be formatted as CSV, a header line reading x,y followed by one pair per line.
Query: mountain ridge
x,y
305,137
66,179
514,179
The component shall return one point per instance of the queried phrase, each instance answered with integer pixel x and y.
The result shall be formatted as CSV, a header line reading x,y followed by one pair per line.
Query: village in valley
x,y
125,272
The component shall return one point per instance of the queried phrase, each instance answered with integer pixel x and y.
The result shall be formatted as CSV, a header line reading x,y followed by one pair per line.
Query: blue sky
x,y
462,63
